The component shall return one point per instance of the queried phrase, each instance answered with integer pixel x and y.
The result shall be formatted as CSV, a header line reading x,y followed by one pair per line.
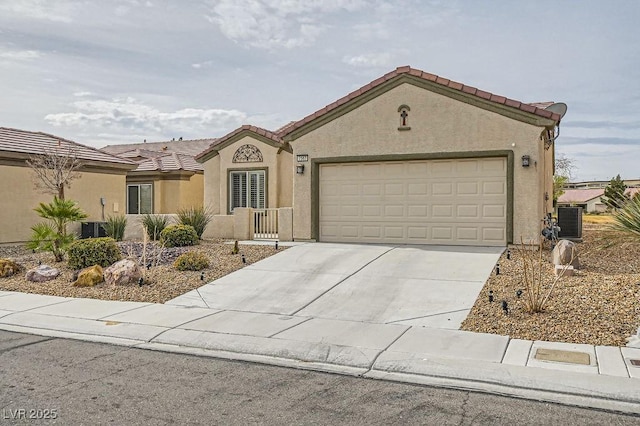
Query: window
x,y
140,198
247,189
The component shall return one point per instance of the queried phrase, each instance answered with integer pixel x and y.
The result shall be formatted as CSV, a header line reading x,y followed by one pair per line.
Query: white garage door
x,y
460,202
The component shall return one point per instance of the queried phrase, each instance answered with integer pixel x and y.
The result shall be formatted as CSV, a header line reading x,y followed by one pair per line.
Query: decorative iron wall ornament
x,y
247,154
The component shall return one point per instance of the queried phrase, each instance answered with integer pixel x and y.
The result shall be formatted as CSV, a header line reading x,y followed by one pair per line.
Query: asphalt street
x,y
49,380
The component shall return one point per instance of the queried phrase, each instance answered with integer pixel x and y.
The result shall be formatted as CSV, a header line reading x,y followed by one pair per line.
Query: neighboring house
x,y
591,200
408,158
98,191
167,177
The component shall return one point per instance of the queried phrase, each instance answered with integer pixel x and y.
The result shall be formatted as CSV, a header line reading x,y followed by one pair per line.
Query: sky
x,y
121,71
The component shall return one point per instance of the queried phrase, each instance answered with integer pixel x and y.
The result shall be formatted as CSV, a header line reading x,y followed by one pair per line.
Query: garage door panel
x,y
420,211
419,202
468,211
441,188
493,188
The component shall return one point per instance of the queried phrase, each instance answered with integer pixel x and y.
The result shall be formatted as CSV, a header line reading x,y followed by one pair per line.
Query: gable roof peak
x,y
405,71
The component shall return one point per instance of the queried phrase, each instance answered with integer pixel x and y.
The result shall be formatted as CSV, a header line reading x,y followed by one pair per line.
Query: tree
x,y
52,235
54,169
563,173
614,196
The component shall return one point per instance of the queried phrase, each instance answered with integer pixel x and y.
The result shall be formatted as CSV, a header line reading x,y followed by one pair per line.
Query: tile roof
x,y
536,109
189,147
169,162
274,136
580,195
33,143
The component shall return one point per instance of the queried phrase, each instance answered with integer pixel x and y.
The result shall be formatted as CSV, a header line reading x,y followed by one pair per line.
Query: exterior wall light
x,y
526,160
300,169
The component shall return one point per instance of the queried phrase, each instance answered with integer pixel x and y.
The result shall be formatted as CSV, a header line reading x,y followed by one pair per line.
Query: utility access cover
x,y
569,357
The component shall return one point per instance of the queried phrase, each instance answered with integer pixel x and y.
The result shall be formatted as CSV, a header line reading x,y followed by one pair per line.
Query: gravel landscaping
x,y
162,281
599,305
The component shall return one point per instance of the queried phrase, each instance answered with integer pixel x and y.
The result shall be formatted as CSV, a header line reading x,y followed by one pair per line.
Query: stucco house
x,y
408,158
98,191
591,200
167,177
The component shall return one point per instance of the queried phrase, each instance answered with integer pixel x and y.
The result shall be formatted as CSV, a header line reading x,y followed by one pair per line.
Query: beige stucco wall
x,y
212,185
19,198
279,175
171,193
438,124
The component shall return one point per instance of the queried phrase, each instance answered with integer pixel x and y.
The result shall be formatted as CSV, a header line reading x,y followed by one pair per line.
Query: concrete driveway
x,y
433,286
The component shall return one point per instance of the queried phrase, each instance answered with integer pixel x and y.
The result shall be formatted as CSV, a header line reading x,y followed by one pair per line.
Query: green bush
x,y
198,217
627,219
115,226
191,261
93,251
153,225
179,236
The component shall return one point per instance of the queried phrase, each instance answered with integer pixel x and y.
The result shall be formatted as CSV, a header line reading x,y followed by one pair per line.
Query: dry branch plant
x,y
54,169
537,284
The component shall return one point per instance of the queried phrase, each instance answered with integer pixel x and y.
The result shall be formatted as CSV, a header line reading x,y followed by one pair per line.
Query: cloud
x,y
205,64
20,55
82,94
269,24
130,115
57,11
369,60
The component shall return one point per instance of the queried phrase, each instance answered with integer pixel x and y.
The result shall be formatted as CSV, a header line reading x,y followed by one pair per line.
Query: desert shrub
x,y
154,225
191,261
179,236
115,226
93,251
627,219
198,217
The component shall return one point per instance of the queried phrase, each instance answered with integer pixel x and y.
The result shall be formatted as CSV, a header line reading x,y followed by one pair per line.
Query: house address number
x,y
301,158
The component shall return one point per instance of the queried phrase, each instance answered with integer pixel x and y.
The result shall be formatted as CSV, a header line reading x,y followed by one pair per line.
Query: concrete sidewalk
x,y
600,377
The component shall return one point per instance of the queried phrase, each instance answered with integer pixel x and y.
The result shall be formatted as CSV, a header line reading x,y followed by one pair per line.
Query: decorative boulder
x,y
42,273
566,253
8,268
123,272
88,277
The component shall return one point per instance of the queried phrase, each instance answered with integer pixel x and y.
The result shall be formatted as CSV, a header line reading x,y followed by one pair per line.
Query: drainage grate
x,y
569,357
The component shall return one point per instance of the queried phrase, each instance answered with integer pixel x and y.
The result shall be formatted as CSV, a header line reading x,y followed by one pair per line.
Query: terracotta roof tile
x,y
34,143
455,85
537,109
512,103
482,94
469,89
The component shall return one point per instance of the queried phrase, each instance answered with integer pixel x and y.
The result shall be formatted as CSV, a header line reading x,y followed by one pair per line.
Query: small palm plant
x,y
52,235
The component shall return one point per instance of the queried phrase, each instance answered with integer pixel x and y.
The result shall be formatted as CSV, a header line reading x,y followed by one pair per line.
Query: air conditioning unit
x,y
92,230
570,222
